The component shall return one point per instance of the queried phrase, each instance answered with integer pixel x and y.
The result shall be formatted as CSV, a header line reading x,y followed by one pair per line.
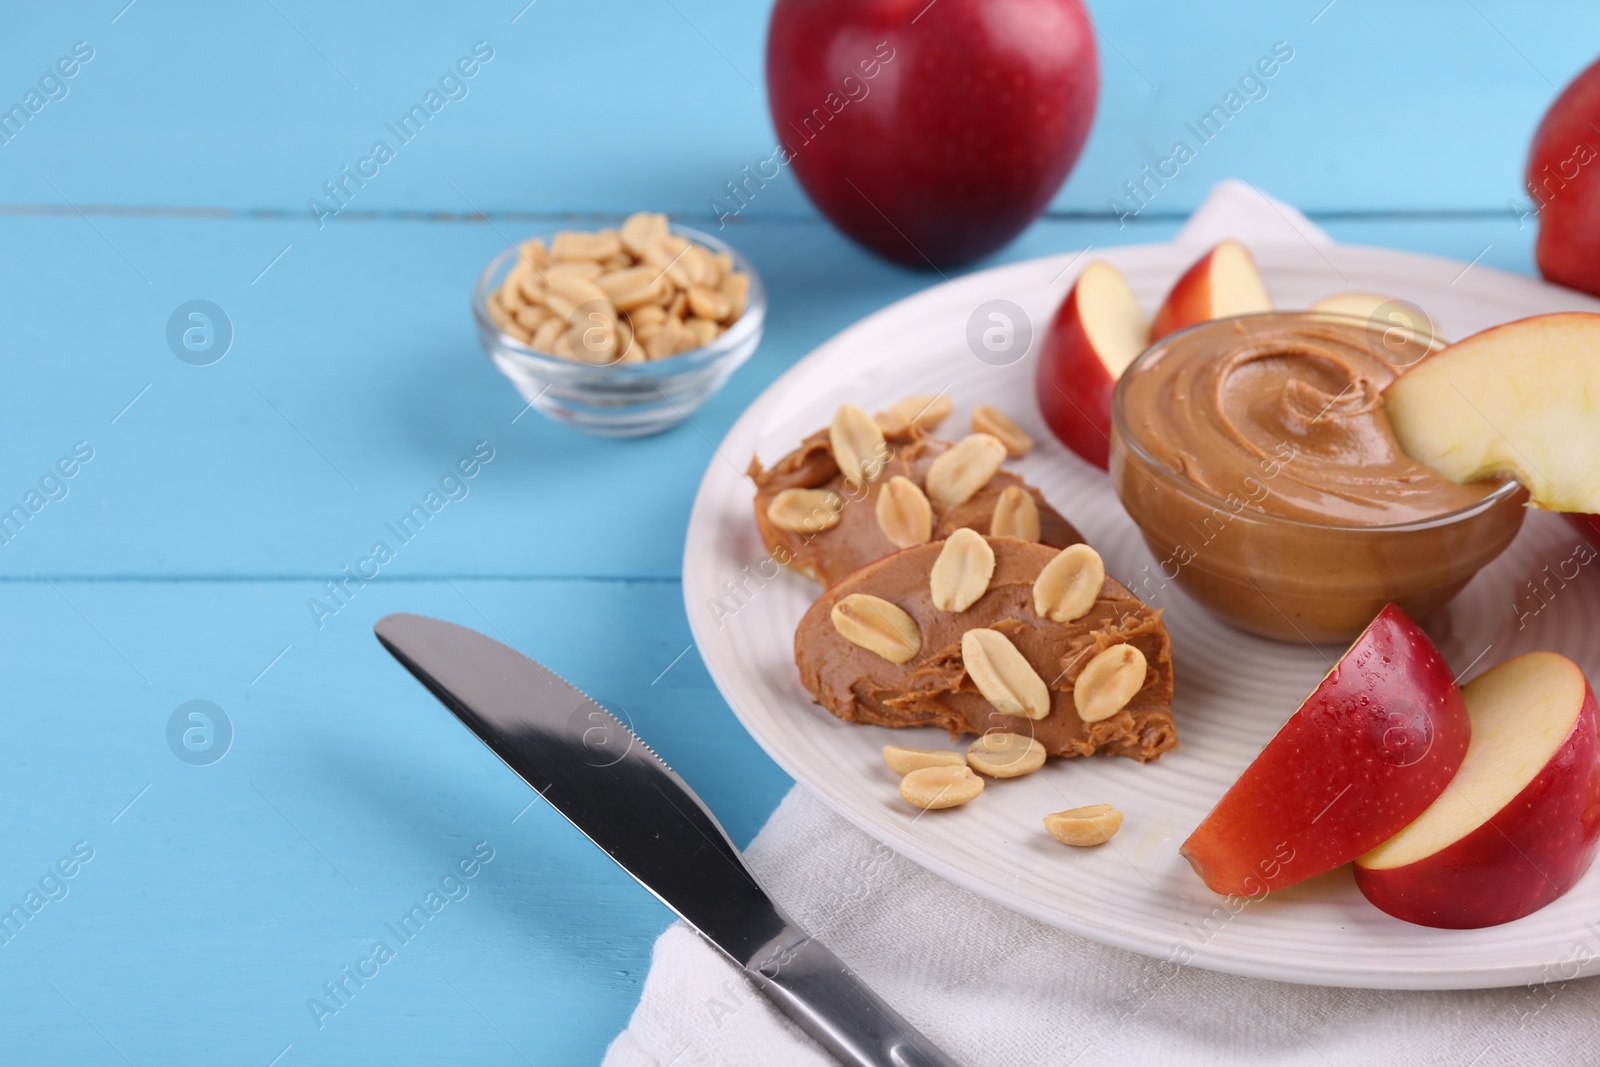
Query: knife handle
x,y
814,988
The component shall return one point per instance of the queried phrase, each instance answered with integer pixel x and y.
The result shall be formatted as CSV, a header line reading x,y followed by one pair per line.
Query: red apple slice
x,y
1357,304
1366,753
1222,282
1519,823
1399,332
1098,330
1588,525
1382,311
1521,399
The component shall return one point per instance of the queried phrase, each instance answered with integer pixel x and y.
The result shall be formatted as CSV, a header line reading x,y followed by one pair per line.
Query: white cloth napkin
x,y
993,987
1237,209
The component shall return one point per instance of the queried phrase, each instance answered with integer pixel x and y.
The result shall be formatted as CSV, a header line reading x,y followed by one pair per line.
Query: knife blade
x,y
613,787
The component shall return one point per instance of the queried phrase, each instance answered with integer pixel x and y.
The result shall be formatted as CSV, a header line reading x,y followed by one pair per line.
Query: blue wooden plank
x,y
614,105
355,382
220,898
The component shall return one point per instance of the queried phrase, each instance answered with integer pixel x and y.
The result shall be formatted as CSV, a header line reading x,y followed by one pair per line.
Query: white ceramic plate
x,y
1233,690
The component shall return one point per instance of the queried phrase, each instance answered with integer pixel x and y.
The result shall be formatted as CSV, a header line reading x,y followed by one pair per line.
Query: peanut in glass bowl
x,y
622,399
1287,578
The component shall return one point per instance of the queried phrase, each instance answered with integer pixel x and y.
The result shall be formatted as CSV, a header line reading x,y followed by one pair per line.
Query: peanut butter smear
x,y
834,554
934,689
1290,419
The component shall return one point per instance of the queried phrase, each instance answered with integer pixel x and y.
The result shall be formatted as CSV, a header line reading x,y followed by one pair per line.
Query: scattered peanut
x,y
932,788
964,469
1069,584
1108,682
1016,514
619,296
904,514
570,244
857,444
641,230
1003,675
877,626
1005,755
903,760
961,573
997,424
1092,825
805,510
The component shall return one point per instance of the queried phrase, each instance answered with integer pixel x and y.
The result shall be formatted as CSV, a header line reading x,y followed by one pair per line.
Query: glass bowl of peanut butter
x,y
1255,455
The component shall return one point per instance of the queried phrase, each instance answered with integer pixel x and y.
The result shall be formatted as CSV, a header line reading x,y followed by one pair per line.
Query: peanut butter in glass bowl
x,y
1255,455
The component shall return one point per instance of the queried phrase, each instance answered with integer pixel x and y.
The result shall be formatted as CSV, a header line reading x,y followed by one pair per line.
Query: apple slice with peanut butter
x,y
979,635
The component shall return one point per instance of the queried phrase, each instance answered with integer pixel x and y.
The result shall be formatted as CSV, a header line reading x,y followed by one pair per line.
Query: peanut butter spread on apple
x,y
857,538
1289,418
934,687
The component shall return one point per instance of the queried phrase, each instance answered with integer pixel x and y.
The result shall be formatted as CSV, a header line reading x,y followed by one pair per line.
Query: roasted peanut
x,y
964,469
1108,682
1002,754
642,269
903,512
1003,675
932,788
570,244
857,445
878,626
1069,584
1083,827
999,425
903,760
805,510
925,412
961,573
1016,515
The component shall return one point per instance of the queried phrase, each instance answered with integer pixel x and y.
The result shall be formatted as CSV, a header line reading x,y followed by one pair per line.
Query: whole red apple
x,y
931,132
1564,185
1588,525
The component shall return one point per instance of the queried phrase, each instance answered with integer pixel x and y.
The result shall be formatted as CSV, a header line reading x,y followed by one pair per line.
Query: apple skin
x,y
1588,525
1073,383
1365,754
1190,301
1563,178
973,118
1529,853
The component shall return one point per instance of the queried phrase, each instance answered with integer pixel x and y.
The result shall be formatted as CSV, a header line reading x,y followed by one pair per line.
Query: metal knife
x,y
612,786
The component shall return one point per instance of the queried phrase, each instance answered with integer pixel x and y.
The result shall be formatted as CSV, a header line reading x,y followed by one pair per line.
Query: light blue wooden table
x,y
176,564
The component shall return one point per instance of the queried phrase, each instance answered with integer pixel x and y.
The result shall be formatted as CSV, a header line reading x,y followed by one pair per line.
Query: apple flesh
x,y
931,134
1564,185
1223,282
1399,332
1521,399
1098,330
1366,753
1519,823
1400,313
1356,304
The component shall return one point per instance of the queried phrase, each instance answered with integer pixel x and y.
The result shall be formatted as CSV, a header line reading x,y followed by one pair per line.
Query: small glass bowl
x,y
1288,579
624,399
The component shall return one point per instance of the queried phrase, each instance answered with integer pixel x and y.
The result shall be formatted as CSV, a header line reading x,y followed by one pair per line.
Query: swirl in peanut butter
x,y
1289,418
